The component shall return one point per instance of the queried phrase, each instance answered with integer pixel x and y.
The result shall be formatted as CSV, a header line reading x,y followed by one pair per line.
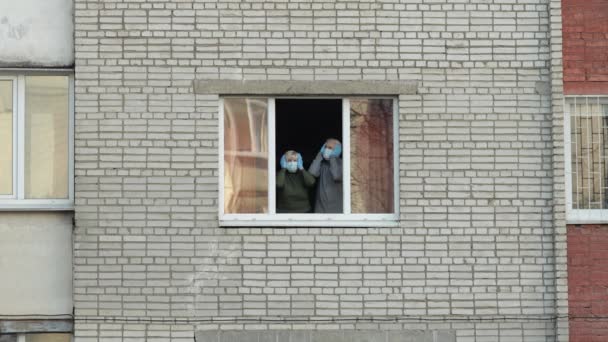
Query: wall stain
x,y
13,31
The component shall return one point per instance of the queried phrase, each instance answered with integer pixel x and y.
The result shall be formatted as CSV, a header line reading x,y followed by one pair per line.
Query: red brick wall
x,y
585,32
588,282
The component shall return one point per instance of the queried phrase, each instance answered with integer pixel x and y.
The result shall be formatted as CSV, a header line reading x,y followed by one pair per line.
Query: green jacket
x,y
292,191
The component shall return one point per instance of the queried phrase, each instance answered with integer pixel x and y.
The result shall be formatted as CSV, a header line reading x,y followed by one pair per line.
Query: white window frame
x,y
577,216
346,219
17,201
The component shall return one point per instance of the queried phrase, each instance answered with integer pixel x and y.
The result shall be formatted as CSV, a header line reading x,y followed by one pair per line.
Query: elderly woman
x,y
293,183
327,167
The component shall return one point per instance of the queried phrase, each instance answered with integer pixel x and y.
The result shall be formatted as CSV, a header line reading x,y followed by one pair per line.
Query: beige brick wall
x,y
474,251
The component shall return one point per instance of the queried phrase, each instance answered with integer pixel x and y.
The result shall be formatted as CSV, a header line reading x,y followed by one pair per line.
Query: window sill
x,y
309,220
36,205
587,216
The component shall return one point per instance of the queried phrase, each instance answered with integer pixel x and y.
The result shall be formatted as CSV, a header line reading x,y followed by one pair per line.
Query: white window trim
x,y
347,219
16,201
577,216
14,130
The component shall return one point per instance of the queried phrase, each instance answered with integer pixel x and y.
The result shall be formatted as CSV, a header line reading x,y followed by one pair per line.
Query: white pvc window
x,y
256,131
36,141
586,163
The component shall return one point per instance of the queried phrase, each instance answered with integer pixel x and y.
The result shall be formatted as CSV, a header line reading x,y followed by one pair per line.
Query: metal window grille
x,y
588,121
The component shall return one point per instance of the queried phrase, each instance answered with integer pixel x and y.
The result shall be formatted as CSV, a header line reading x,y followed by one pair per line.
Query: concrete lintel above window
x,y
279,87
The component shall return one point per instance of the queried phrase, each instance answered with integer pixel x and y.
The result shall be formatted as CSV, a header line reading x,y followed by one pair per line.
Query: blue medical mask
x,y
327,153
292,166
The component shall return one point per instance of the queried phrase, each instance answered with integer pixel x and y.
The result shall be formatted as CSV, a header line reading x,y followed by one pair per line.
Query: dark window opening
x,y
304,125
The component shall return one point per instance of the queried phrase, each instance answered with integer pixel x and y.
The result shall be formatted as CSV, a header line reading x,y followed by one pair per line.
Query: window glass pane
x,y
371,155
52,337
589,143
46,137
245,155
6,137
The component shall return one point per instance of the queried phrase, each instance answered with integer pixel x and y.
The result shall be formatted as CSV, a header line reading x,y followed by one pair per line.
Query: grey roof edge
x,y
286,87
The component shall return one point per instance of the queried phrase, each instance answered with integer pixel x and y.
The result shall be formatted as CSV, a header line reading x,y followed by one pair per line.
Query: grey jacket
x,y
329,186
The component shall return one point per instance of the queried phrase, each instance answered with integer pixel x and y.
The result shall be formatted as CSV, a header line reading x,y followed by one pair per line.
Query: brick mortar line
x,y
385,319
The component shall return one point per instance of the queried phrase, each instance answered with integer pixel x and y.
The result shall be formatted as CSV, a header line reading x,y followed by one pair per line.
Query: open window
x,y
36,141
354,183
586,163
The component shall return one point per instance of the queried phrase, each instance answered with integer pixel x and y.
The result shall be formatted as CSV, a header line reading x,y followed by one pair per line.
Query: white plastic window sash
x,y
221,159
346,156
576,215
346,219
13,80
272,203
17,200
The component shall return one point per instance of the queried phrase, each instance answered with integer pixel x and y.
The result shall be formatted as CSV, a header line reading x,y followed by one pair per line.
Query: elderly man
x,y
327,167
